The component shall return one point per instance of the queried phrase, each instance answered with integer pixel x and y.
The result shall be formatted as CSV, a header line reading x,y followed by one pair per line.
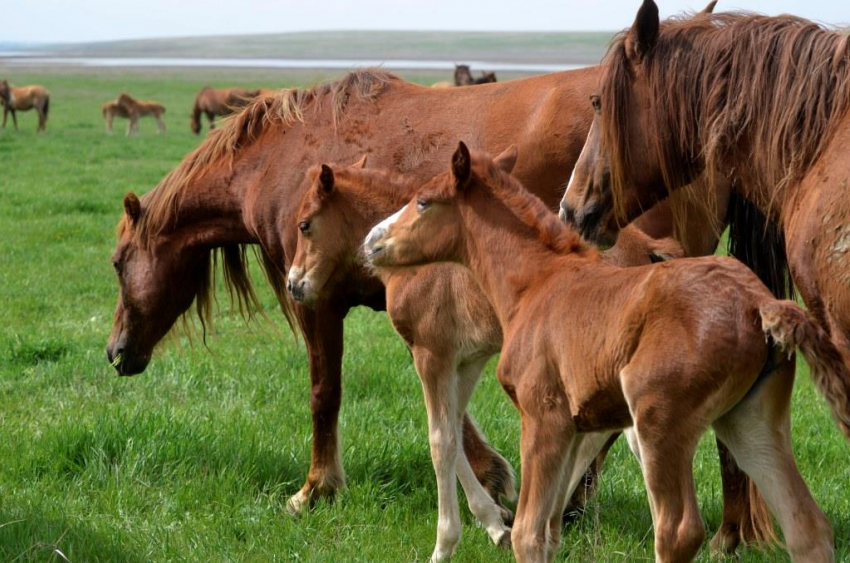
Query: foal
x,y
664,350
24,98
439,311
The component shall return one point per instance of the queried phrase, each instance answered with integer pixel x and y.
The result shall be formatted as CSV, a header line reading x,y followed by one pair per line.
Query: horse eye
x,y
422,204
596,102
304,226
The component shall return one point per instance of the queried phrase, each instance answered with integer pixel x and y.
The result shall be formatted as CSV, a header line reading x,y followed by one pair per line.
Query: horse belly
x,y
598,406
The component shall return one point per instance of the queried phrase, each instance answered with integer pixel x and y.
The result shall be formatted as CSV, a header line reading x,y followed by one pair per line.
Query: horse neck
x,y
504,254
210,212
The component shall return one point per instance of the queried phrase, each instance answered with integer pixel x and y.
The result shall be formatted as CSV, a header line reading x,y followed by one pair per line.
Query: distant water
x,y
13,58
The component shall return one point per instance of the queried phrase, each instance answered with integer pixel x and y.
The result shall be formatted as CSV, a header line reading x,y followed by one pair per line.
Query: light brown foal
x,y
663,351
439,311
24,98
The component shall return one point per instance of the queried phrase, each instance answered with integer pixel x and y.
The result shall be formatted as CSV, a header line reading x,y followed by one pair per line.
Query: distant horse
x,y
439,311
24,98
128,108
242,186
767,114
591,348
219,102
463,76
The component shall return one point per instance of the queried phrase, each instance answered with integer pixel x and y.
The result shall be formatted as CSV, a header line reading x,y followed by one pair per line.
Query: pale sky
x,y
93,20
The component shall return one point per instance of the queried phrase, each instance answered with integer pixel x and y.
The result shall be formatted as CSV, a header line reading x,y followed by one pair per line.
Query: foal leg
x,y
322,328
439,383
547,432
15,119
757,432
160,124
491,515
5,114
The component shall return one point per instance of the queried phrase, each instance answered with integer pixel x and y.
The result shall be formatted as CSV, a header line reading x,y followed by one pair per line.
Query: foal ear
x,y
643,33
507,160
710,8
360,164
132,207
461,165
326,180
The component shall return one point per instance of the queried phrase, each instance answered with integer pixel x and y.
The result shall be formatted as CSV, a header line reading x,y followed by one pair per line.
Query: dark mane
x,y
527,207
769,90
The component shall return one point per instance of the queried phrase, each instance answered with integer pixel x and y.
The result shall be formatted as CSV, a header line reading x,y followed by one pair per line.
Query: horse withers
x,y
591,349
24,98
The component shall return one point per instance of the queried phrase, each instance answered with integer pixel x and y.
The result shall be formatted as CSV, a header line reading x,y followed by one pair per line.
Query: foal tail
x,y
46,106
791,327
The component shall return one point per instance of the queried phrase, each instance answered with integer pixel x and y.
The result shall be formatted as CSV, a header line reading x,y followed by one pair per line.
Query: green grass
x,y
194,459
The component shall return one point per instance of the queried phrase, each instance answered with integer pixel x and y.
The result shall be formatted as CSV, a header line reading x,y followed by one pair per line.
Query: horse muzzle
x,y
125,361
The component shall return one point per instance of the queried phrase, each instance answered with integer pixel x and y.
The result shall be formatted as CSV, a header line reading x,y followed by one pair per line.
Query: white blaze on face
x,y
379,230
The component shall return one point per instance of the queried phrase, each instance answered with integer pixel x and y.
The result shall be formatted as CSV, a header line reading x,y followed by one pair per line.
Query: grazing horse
x,y
591,348
129,108
242,185
24,98
463,76
439,311
220,102
767,113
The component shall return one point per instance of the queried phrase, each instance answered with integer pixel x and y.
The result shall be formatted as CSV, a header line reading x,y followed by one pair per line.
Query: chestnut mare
x,y
242,187
439,311
219,102
767,113
591,348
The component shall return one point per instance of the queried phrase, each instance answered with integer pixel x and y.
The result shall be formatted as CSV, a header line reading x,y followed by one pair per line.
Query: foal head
x,y
429,229
4,90
325,246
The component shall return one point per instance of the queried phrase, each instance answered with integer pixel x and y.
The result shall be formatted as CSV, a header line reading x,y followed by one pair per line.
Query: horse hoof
x,y
505,541
297,504
725,541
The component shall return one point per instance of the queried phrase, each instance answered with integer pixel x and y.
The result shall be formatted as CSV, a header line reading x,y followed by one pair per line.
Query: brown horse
x,y
242,187
220,102
127,107
463,76
591,348
438,310
24,98
767,115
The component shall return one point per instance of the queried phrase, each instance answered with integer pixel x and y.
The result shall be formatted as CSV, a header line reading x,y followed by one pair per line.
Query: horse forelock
x,y
730,87
527,207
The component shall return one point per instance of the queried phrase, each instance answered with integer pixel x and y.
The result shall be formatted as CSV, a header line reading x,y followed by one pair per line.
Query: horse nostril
x,y
289,285
567,214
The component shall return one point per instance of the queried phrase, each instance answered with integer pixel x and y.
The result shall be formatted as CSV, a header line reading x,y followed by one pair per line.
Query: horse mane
x,y
240,130
527,207
768,90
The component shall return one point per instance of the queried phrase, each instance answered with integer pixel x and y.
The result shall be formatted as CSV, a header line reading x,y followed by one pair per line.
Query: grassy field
x,y
560,47
194,459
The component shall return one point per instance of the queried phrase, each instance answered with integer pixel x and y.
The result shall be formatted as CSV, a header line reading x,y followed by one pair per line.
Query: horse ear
x,y
326,180
643,34
461,165
710,8
132,206
360,164
507,160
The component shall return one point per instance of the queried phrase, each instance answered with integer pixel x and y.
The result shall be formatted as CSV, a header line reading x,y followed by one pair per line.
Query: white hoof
x,y
298,503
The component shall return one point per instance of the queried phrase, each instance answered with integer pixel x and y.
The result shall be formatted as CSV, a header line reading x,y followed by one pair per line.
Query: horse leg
x,y
109,130
15,119
439,384
211,118
322,329
546,433
757,432
746,517
584,490
5,113
160,125
489,513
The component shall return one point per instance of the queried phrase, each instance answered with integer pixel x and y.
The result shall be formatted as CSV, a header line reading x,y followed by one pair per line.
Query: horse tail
x,y
759,243
791,327
46,105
